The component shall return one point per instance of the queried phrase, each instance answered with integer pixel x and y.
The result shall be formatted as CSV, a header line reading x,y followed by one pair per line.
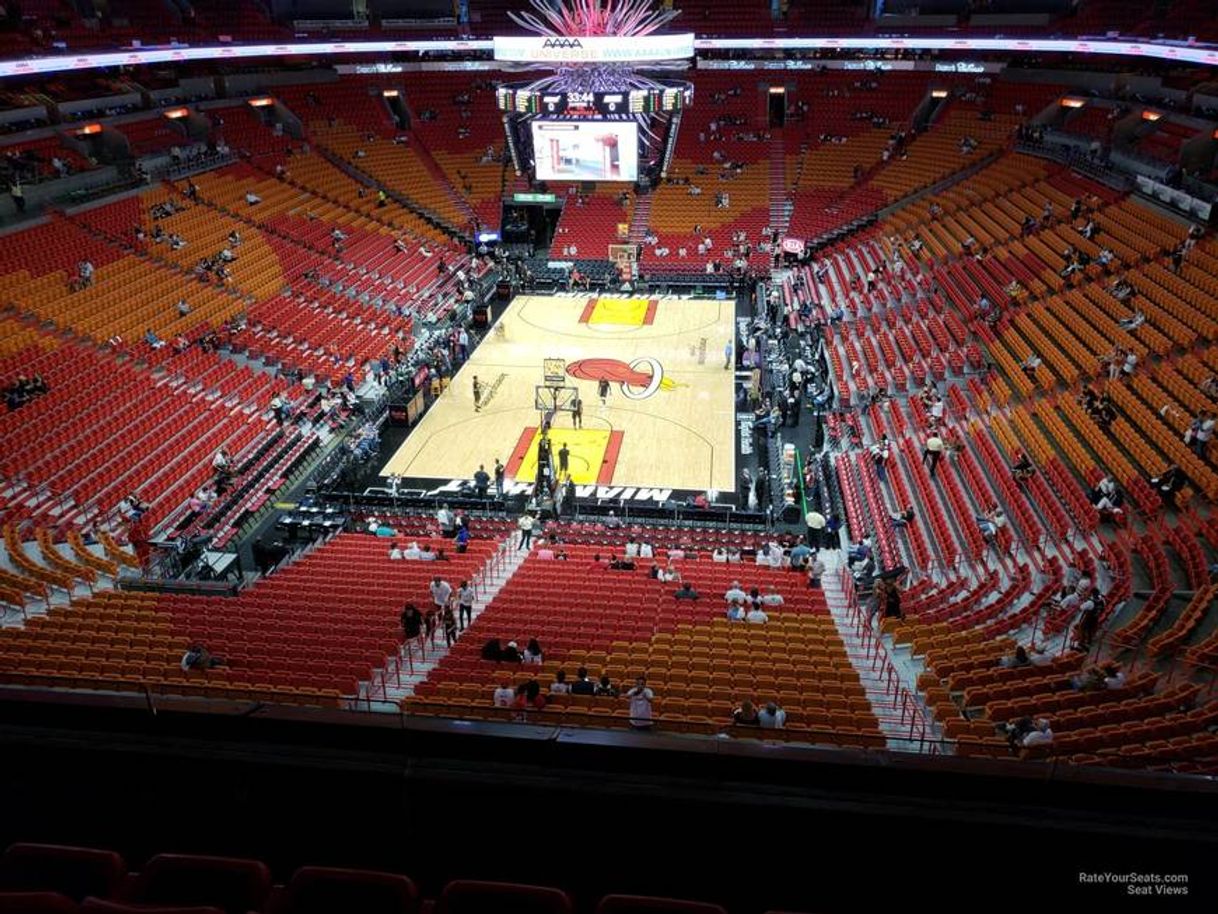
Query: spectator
x,y
746,715
197,657
816,571
816,524
1023,469
932,453
510,654
560,686
757,616
1025,732
450,626
1168,483
904,518
532,652
446,520
734,594
772,597
772,717
528,698
583,685
504,696
395,553
441,590
465,605
605,688
735,612
525,524
1108,499
640,704
991,522
252,198
687,592
1018,659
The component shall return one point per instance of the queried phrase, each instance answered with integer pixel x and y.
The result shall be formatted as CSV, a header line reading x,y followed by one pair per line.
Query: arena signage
x,y
516,488
594,48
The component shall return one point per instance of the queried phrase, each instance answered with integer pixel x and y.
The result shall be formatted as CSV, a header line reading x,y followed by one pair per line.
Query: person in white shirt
x,y
465,605
526,531
773,598
719,555
640,704
646,551
816,570
441,590
1131,362
1040,734
412,552
772,717
560,686
444,517
734,594
632,549
396,552
252,198
504,695
757,616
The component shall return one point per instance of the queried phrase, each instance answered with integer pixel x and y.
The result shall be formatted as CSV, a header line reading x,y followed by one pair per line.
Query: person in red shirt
x,y
528,698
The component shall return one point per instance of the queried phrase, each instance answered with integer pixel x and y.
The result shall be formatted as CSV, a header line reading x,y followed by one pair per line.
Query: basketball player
x,y
602,391
477,395
564,456
577,412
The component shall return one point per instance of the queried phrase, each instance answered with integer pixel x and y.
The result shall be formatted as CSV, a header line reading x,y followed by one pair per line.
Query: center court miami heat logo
x,y
638,380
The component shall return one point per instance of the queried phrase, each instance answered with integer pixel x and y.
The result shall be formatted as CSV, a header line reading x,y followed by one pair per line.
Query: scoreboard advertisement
x,y
586,150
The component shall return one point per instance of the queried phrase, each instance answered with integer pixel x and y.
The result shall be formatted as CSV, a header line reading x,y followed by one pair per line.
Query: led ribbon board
x,y
1205,55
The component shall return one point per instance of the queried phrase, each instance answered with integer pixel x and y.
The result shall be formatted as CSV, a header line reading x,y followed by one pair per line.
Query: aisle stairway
x,y
399,681
640,220
780,205
890,690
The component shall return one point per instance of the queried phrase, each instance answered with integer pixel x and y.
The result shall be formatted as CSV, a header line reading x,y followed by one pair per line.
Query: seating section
x,y
281,640
55,878
631,624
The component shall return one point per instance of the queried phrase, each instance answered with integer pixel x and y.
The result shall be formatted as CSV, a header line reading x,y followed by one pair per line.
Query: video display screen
x,y
586,150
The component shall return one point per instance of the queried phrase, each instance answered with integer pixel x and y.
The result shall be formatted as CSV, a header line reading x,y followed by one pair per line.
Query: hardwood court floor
x,y
677,431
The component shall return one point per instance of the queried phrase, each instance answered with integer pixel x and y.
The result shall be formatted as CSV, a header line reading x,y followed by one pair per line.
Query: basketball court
x,y
668,419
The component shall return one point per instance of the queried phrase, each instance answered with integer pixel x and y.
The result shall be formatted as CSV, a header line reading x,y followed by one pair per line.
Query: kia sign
x,y
793,246
594,49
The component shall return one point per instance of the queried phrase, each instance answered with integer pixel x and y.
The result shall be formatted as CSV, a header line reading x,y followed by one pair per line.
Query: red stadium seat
x,y
325,890
643,904
230,884
36,903
76,872
470,896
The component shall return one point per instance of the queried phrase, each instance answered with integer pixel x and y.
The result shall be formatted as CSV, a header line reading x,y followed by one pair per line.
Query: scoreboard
x,y
592,104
